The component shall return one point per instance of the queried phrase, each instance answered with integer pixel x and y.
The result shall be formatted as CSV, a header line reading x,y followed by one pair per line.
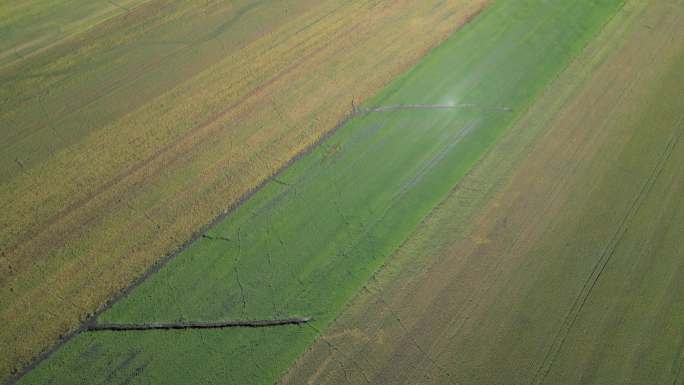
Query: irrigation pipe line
x,y
197,325
442,106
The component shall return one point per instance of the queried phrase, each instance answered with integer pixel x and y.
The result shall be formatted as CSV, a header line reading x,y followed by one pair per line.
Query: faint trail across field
x,y
600,266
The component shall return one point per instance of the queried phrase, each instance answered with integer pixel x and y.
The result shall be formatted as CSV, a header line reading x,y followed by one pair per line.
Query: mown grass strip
x,y
307,244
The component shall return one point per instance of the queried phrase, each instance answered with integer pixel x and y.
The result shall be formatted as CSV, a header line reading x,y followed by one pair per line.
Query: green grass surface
x,y
307,242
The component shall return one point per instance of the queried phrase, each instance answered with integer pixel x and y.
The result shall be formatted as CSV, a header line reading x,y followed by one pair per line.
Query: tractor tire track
x,y
606,255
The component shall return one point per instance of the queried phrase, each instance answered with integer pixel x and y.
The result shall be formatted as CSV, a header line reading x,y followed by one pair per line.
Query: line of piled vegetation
x,y
307,242
197,325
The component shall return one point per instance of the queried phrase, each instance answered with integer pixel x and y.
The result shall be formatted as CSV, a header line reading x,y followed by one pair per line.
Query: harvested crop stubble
x,y
122,141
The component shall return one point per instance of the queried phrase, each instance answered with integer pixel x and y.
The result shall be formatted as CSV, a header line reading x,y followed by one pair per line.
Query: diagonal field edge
x,y
157,266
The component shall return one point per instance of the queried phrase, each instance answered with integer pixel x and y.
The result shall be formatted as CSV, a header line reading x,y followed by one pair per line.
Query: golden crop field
x,y
124,138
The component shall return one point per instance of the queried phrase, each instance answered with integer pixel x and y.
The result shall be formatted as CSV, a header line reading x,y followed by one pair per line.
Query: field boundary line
x,y
162,262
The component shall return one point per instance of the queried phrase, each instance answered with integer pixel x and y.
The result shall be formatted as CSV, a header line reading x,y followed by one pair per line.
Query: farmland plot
x,y
311,238
121,141
559,258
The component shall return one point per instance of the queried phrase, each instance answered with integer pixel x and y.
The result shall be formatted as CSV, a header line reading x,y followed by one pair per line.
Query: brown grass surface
x,y
558,259
126,139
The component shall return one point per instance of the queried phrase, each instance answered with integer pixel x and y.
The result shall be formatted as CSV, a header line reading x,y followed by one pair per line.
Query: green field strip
x,y
307,242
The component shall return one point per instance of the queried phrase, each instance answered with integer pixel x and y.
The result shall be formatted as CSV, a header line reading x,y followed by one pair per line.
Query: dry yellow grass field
x,y
120,148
